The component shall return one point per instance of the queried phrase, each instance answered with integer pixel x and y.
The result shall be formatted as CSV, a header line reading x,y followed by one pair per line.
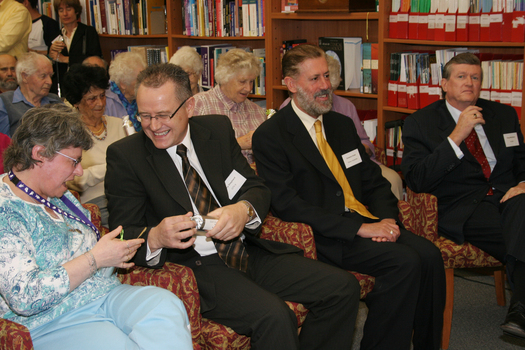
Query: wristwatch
x,y
250,211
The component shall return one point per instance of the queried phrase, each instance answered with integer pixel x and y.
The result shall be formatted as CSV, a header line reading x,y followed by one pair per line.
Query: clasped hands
x,y
179,231
385,230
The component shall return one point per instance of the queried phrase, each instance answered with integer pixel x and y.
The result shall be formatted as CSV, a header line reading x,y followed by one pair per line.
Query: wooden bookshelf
x,y
371,26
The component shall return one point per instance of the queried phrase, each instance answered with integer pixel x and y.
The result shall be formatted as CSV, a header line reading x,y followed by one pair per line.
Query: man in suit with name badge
x,y
469,153
319,173
178,167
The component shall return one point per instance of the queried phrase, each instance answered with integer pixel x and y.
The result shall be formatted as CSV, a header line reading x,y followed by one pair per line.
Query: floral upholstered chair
x,y
423,221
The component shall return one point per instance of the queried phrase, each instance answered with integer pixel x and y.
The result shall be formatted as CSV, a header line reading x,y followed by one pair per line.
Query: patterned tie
x,y
474,147
233,252
331,160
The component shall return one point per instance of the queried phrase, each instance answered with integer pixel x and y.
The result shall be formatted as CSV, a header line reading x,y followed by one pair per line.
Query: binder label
x,y
450,23
485,21
462,22
431,21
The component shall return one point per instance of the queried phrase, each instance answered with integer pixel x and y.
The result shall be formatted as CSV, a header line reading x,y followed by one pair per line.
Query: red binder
x,y
496,22
413,25
413,95
392,93
423,96
518,27
439,32
516,101
450,27
392,25
402,95
431,26
474,26
462,27
484,27
402,25
422,29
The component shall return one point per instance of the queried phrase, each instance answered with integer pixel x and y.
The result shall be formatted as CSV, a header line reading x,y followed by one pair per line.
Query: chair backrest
x,y
424,215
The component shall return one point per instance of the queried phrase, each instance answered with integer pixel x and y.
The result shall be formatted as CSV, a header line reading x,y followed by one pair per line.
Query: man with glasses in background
x,y
184,186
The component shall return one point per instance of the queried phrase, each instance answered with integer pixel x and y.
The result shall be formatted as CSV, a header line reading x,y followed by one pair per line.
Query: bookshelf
x,y
388,45
371,26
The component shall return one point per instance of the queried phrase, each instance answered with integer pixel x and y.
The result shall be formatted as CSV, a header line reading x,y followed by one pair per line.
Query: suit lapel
x,y
209,153
302,140
168,174
492,130
77,38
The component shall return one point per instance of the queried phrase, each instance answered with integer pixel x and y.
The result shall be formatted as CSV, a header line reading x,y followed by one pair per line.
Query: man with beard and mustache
x,y
7,73
33,73
318,171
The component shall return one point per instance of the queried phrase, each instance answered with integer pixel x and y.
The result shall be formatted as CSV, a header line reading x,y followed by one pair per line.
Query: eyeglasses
x,y
75,161
147,118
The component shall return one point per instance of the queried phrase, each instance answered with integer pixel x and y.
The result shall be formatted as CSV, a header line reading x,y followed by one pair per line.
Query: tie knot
x,y
182,150
318,127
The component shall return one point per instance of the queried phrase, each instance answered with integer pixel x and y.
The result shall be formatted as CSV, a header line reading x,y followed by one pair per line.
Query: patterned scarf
x,y
131,108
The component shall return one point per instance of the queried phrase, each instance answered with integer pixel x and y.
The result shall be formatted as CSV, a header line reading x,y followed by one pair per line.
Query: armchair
x,y
423,222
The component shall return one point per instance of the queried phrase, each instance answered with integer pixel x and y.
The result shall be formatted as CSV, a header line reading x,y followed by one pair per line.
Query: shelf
x,y
323,16
399,109
139,37
454,43
219,38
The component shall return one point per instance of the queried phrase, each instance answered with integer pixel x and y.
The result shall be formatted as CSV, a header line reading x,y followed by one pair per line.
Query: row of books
x,y
349,52
128,17
152,54
458,20
210,55
223,18
415,78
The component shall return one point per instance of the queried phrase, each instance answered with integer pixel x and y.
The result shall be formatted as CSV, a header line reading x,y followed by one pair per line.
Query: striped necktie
x,y
233,252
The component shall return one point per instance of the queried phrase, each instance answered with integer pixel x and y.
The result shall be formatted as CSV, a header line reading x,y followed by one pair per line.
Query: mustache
x,y
322,92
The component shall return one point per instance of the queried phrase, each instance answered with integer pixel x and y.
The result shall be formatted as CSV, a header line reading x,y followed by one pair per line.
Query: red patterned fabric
x,y
424,223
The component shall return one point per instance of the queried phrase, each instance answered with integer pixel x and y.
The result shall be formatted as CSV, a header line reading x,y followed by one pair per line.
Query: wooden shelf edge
x,y
399,109
218,38
324,16
134,36
454,43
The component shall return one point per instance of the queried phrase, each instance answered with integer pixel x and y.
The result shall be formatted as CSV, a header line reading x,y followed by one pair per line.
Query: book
x,y
366,88
348,52
375,67
156,17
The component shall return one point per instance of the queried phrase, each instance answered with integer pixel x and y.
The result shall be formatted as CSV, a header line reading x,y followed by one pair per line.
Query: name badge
x,y
352,158
234,183
511,139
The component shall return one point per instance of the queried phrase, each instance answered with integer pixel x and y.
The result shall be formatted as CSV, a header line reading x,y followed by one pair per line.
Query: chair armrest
x,y
422,216
176,278
380,155
294,233
14,336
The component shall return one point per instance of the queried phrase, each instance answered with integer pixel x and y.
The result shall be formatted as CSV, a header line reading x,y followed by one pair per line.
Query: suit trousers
x,y
252,303
408,295
128,317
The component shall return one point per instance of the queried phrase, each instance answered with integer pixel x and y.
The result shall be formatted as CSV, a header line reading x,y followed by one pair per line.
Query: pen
x,y
122,235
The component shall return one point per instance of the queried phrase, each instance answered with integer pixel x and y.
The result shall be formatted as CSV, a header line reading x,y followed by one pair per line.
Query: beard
x,y
310,105
8,85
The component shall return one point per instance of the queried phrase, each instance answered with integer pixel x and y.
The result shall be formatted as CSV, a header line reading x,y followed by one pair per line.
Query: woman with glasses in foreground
x,y
85,88
56,272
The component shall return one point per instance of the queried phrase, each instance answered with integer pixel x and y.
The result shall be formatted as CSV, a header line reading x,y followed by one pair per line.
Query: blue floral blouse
x,y
33,247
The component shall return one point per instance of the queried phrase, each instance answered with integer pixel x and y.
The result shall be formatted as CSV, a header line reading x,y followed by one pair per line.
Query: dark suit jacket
x,y
430,164
85,43
143,187
303,187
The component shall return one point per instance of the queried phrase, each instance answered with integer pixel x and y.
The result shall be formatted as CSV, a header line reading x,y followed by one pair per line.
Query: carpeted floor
x,y
476,318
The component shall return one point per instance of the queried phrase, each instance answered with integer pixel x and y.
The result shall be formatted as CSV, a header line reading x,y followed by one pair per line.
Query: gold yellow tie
x,y
331,160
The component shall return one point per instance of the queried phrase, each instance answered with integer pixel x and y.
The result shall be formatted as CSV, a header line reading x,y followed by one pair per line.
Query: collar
x,y
18,96
228,102
307,120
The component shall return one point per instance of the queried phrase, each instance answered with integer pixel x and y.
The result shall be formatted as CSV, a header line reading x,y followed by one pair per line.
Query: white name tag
x,y
352,158
234,183
511,139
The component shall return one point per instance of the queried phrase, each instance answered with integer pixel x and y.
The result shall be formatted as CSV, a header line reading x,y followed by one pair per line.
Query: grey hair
x,y
124,67
27,64
334,68
54,126
189,59
233,61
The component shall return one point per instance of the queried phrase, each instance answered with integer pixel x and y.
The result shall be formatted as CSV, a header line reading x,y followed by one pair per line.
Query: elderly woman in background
x,y
33,72
189,59
123,72
79,40
345,107
85,88
236,71
55,278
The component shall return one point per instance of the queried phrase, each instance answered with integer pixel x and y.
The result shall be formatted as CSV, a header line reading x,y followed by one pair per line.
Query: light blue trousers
x,y
128,317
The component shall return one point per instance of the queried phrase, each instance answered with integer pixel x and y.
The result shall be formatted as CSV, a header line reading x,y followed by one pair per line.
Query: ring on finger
x,y
391,232
475,116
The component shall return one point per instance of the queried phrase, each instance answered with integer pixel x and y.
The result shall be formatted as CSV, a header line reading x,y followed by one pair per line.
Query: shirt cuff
x,y
456,149
152,259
